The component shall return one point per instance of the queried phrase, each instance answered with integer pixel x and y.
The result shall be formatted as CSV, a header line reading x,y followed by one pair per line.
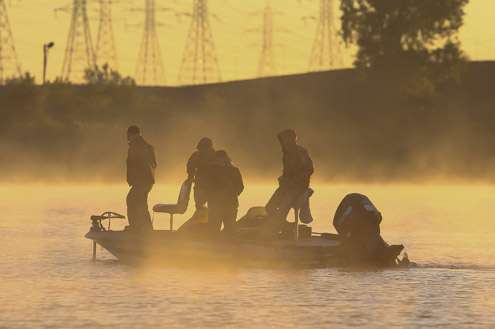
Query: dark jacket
x,y
141,163
198,164
224,185
297,168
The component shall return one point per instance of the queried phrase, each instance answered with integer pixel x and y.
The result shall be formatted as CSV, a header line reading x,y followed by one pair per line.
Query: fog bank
x,y
357,129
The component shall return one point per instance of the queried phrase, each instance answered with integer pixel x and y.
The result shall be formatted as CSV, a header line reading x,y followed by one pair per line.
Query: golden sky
x,y
234,24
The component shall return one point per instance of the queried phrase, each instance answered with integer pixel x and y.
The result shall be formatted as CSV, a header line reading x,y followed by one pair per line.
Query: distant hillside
x,y
356,129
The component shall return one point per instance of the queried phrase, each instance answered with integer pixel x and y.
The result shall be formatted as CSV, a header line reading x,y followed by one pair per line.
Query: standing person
x,y
197,169
295,179
141,165
223,188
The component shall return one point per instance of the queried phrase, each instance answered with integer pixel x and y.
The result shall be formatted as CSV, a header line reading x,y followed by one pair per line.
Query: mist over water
x,y
356,129
48,279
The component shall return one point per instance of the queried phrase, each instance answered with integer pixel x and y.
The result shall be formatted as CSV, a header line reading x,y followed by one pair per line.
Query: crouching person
x,y
224,187
295,179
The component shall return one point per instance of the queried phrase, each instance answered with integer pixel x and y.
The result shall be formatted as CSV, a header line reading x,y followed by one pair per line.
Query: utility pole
x,y
266,65
46,49
9,65
199,61
326,49
106,52
149,70
79,53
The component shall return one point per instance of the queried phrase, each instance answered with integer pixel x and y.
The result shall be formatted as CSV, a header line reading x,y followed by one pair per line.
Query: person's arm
x,y
308,163
283,180
305,168
192,165
153,157
239,183
130,165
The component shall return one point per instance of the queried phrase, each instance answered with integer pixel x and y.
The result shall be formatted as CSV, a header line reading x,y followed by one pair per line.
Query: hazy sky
x,y
234,24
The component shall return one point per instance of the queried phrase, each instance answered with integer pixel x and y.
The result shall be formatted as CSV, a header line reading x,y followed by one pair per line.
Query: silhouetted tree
x,y
393,33
59,81
106,76
24,80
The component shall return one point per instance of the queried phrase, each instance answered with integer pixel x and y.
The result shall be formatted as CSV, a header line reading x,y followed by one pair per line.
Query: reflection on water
x,y
48,281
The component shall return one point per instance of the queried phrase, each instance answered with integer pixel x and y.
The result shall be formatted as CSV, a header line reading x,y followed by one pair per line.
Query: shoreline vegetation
x,y
358,126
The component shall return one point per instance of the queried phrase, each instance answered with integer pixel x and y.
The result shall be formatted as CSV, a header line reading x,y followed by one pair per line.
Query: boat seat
x,y
172,209
182,202
178,208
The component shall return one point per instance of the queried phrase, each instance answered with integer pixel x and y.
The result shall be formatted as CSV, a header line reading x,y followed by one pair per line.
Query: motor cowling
x,y
355,213
357,221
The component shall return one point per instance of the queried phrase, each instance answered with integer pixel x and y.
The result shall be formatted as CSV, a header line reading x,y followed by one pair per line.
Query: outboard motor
x,y
356,213
357,221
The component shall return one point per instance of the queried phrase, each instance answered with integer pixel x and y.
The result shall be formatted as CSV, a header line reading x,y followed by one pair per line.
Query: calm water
x,y
48,281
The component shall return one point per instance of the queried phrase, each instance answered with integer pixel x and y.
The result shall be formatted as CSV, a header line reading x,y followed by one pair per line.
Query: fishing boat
x,y
296,245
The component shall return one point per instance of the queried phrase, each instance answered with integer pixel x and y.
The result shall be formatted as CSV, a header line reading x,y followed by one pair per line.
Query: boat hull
x,y
172,248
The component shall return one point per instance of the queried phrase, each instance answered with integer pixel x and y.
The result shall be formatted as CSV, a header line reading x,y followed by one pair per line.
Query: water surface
x,y
48,281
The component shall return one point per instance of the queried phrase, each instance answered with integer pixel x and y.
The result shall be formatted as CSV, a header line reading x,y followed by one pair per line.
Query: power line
x,y
106,52
199,61
149,70
9,65
325,53
79,53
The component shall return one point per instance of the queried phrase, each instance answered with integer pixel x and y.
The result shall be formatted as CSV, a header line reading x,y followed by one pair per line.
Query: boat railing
x,y
97,220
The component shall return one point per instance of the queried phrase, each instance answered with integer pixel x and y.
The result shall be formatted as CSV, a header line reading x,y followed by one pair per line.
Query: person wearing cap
x,y
224,185
295,179
197,169
141,165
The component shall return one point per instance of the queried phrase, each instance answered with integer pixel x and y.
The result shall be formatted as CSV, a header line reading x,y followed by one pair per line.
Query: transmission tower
x,y
267,63
79,53
149,70
326,53
106,52
9,66
199,61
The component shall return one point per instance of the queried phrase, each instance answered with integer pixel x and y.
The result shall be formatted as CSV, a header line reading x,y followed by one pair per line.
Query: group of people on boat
x,y
217,182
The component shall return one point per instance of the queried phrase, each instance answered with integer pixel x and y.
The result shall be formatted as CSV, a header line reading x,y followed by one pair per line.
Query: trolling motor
x,y
96,221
